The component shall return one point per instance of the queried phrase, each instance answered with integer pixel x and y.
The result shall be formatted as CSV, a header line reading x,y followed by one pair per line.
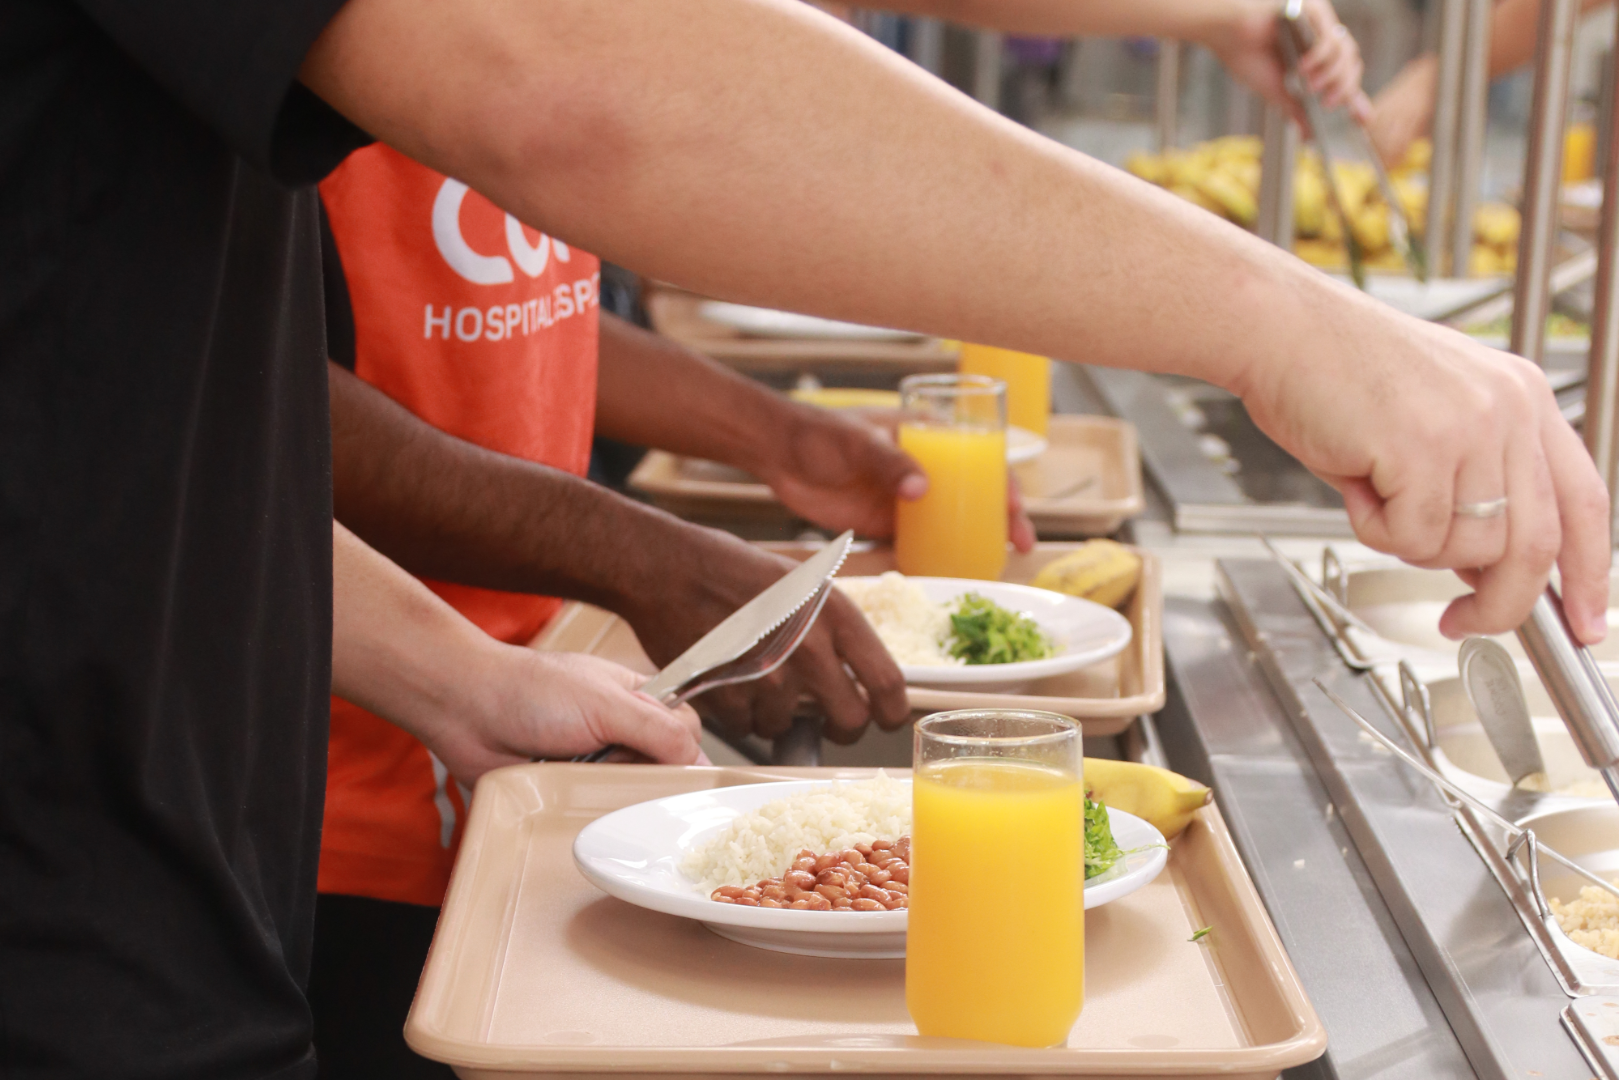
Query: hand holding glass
x,y
955,428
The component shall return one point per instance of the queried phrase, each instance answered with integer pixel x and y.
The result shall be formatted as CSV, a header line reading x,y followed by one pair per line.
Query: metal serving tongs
x,y
1576,686
1297,38
1334,617
1522,838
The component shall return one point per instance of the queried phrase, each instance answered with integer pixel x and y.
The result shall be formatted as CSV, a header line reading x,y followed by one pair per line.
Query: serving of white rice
x,y
912,627
761,844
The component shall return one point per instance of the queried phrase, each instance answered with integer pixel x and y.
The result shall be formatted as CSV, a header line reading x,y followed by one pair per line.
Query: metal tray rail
x,y
1496,990
1514,865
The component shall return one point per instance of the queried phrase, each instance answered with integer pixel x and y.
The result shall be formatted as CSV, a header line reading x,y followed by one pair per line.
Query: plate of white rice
x,y
670,854
912,617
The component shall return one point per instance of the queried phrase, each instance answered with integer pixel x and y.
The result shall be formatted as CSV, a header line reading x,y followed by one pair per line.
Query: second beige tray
x,y
1087,483
533,972
675,314
1104,697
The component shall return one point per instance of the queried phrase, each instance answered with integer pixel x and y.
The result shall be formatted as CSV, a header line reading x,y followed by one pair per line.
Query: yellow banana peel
x,y
1166,800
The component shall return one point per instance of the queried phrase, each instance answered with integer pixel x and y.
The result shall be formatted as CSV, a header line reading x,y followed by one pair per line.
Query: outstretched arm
x,y
1242,33
447,509
764,152
826,468
1403,110
403,653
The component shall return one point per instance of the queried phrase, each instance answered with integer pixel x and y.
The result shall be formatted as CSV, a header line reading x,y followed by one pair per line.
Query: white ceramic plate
x,y
1083,632
767,322
635,855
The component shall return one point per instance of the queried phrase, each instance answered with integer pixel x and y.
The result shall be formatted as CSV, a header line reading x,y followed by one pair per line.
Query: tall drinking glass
x,y
1027,378
955,428
995,942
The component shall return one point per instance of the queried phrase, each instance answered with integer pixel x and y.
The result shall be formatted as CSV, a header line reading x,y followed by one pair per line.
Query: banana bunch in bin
x,y
1222,176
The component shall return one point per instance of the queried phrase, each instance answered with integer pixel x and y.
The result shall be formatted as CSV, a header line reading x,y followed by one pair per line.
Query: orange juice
x,y
1027,378
958,529
982,963
1579,153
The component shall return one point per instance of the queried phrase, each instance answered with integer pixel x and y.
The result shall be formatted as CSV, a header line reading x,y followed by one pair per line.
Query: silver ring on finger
x,y
1489,508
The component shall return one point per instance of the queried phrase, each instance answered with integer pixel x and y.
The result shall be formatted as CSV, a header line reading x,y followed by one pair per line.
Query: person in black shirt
x,y
165,552
165,597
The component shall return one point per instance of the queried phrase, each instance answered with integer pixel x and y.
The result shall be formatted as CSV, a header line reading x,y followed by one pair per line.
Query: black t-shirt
x,y
165,546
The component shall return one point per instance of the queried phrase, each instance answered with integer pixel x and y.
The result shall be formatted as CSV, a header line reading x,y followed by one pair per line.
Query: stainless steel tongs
x,y
1297,38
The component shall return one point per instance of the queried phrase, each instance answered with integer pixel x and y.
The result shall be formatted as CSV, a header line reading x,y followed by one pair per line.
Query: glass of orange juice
x,y
1027,378
955,428
997,796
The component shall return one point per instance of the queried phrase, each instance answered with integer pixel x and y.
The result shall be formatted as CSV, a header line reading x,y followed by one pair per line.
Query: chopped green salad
x,y
983,632
1101,851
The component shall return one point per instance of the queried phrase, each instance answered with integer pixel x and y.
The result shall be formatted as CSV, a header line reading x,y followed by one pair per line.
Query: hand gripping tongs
x,y
1297,37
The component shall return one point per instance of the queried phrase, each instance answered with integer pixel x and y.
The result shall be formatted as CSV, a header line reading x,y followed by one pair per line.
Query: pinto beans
x,y
866,877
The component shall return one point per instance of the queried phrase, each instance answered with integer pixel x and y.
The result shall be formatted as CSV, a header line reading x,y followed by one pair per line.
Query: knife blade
x,y
749,624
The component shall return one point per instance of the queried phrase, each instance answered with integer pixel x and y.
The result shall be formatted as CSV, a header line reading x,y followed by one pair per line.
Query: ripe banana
x,y
1166,800
1100,570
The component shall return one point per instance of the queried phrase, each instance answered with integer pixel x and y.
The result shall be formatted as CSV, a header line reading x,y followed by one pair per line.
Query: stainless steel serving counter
x,y
1412,954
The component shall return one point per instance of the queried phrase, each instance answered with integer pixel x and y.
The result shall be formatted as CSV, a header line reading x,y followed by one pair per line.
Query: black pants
x,y
368,958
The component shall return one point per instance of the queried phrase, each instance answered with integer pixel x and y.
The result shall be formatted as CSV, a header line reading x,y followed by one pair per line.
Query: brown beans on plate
x,y
866,877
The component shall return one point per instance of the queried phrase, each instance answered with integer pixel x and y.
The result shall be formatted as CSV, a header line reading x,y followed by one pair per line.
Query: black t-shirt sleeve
x,y
339,308
235,64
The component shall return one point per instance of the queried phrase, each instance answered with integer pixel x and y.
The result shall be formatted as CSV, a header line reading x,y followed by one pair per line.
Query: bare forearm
x,y
900,202
397,649
699,408
446,509
1513,29
1187,20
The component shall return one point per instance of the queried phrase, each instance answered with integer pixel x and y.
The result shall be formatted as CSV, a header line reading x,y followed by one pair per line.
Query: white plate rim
x,y
772,322
1137,870
1017,597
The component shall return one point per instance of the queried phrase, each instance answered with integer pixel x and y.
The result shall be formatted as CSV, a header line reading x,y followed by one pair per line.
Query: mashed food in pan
x,y
1591,921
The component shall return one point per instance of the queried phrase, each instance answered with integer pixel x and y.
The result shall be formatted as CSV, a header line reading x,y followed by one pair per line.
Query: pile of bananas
x,y
1222,176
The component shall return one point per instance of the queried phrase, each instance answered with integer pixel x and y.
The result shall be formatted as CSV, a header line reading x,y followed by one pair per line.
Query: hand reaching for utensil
x,y
406,655
1448,454
841,663
1247,45
557,706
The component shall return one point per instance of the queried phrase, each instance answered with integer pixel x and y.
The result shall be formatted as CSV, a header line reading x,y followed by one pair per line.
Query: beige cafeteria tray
x,y
674,314
1104,697
533,972
1086,483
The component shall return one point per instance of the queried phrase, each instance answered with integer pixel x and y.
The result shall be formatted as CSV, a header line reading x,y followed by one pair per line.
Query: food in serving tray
x,y
1166,800
1540,783
850,850
866,877
969,630
765,842
1102,571
1592,921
